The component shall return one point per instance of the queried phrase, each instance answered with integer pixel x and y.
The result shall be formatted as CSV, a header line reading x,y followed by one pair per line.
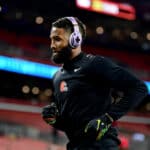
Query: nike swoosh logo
x,y
77,69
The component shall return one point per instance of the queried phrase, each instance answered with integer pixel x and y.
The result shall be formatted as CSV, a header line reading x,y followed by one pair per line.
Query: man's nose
x,y
52,45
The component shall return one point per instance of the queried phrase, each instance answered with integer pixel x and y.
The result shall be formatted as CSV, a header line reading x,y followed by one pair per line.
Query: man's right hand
x,y
49,113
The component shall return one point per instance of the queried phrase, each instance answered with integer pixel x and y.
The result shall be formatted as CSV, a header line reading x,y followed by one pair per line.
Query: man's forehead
x,y
54,29
58,32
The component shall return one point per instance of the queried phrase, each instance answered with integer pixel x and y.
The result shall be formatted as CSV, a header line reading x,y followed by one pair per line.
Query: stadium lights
x,y
32,68
27,67
0,8
121,10
148,85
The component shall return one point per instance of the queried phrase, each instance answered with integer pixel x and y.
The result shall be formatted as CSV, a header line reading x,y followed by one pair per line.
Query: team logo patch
x,y
63,86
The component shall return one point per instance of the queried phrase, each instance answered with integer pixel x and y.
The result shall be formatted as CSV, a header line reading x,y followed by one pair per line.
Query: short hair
x,y
65,23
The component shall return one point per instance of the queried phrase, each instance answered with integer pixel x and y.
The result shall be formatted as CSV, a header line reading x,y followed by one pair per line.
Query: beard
x,y
61,56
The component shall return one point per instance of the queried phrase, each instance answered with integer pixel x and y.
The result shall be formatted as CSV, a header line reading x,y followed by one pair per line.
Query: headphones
x,y
75,38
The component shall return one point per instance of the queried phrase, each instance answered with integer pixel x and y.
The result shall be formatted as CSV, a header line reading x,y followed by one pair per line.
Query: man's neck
x,y
75,52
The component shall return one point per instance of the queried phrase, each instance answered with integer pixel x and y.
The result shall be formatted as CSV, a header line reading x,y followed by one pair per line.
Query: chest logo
x,y
77,69
63,86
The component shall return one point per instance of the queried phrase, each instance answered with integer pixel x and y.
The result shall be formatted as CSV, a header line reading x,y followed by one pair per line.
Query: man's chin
x,y
62,56
57,60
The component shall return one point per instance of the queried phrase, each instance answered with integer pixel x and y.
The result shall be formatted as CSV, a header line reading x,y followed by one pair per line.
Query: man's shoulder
x,y
88,60
91,57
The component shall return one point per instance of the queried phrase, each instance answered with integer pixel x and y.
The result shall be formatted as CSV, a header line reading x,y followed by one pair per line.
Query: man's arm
x,y
112,76
134,89
51,113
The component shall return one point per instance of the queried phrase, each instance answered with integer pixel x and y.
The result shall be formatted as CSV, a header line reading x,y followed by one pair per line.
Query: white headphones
x,y
75,38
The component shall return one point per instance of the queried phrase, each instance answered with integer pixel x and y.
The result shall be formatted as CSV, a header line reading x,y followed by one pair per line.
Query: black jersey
x,y
82,90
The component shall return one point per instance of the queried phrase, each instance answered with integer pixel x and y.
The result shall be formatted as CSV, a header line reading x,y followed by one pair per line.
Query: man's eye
x,y
58,39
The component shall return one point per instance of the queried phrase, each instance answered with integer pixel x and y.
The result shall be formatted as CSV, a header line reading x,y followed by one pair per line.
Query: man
x,y
83,87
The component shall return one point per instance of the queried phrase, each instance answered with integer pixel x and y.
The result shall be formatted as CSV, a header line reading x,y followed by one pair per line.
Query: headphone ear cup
x,y
75,39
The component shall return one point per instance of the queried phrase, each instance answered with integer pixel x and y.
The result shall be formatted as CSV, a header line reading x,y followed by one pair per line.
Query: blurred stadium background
x,y
119,29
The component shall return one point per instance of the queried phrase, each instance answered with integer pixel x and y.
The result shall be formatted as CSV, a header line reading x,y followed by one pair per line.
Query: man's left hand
x,y
98,127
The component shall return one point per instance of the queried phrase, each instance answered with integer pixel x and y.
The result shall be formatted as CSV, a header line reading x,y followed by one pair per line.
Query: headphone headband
x,y
73,21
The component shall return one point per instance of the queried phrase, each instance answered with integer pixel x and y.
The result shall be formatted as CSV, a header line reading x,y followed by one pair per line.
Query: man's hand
x,y
49,113
96,128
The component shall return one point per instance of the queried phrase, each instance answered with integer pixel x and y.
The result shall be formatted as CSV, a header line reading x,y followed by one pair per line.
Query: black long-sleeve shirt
x,y
83,91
